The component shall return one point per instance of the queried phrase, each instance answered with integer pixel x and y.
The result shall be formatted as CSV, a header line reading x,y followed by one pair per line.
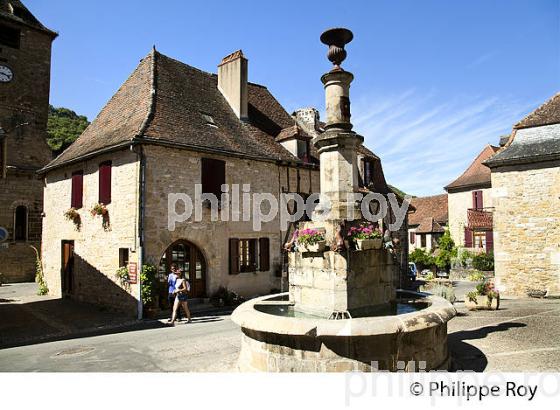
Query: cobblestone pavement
x,y
524,335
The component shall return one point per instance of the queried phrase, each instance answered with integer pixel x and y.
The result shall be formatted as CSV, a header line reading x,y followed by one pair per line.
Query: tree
x,y
63,128
446,251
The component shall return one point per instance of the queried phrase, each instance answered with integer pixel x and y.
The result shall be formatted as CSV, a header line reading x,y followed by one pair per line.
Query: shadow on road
x,y
468,357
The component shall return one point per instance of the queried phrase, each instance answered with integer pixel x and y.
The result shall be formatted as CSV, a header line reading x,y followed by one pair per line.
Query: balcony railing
x,y
480,219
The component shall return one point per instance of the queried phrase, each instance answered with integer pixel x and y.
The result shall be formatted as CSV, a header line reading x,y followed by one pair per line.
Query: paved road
x,y
524,335
206,344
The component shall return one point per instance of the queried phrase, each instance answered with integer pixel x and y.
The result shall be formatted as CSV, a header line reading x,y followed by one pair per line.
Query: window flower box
x,y
366,237
368,244
73,215
310,240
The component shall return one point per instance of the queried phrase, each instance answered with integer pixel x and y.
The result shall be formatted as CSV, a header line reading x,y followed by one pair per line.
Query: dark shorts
x,y
182,297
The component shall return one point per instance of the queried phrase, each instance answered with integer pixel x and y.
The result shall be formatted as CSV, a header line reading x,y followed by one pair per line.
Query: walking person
x,y
171,281
181,288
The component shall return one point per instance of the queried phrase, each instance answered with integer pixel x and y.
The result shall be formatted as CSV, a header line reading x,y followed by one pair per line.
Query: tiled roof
x,y
295,131
428,225
167,101
534,139
434,207
14,10
477,174
546,114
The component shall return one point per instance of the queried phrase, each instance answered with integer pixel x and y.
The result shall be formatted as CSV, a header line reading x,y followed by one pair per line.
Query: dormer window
x,y
208,119
368,172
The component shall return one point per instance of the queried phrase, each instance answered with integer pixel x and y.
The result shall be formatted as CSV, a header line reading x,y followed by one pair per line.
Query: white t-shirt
x,y
179,284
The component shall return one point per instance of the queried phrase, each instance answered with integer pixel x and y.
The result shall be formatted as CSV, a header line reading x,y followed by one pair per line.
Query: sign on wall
x,y
3,234
132,273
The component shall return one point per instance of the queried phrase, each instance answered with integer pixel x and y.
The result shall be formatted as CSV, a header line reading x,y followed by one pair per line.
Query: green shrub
x,y
149,284
422,259
447,251
446,292
483,261
429,276
465,258
476,276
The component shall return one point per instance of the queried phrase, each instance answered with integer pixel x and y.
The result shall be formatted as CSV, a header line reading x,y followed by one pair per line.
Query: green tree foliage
x,y
63,128
447,251
421,258
483,261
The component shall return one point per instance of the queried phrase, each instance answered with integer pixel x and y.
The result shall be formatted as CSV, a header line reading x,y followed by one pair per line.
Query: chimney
x,y
232,82
308,119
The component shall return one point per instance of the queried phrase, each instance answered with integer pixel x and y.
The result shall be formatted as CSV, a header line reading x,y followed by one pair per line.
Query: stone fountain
x,y
343,311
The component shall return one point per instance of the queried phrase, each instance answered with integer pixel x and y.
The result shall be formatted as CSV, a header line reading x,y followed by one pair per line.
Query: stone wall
x,y
458,203
23,117
96,248
177,171
527,227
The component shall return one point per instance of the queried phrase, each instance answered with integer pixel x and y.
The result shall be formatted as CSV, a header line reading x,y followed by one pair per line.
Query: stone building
x,y
25,65
427,221
526,185
169,127
470,205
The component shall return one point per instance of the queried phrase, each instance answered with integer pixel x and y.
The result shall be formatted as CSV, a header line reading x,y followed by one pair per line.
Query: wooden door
x,y
67,268
190,260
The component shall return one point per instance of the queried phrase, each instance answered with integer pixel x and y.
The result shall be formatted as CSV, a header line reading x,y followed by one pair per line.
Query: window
x,y
243,255
20,225
479,240
77,189
123,257
105,183
303,150
477,200
423,240
209,120
368,172
9,36
213,176
412,238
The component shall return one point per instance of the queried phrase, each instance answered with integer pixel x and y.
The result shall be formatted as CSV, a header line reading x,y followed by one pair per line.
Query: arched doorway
x,y
191,260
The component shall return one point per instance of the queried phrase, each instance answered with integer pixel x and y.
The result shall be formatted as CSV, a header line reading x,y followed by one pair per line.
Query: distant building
x,y
526,185
470,205
25,67
427,222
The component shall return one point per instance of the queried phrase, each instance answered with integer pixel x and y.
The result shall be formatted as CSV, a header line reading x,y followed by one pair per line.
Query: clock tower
x,y
25,65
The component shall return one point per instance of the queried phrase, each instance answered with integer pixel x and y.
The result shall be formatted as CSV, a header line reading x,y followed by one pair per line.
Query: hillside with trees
x,y
63,127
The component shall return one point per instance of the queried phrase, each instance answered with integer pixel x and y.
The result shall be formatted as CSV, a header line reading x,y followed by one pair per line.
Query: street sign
x,y
132,273
3,234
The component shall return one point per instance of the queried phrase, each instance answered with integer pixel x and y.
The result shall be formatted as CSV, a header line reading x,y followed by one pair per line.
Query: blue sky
x,y
434,80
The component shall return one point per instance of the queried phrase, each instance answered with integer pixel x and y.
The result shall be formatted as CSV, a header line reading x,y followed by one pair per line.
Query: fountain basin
x,y
277,340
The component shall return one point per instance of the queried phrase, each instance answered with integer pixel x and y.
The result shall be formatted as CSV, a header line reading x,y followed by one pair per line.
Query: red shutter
x,y
477,200
105,183
233,256
468,238
489,241
77,189
264,254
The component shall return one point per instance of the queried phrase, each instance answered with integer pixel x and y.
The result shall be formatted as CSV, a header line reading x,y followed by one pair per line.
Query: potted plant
x,y
123,277
484,296
99,210
73,215
366,237
311,240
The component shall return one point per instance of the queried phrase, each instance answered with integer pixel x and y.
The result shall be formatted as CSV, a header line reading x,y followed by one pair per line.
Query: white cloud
x,y
425,142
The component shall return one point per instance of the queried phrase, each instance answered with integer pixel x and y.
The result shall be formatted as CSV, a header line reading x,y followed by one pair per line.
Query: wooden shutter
x,y
468,238
264,254
252,255
77,189
233,256
412,237
477,200
489,241
105,183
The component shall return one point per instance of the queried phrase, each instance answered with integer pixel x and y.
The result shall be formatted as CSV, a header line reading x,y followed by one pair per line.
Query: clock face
x,y
6,74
